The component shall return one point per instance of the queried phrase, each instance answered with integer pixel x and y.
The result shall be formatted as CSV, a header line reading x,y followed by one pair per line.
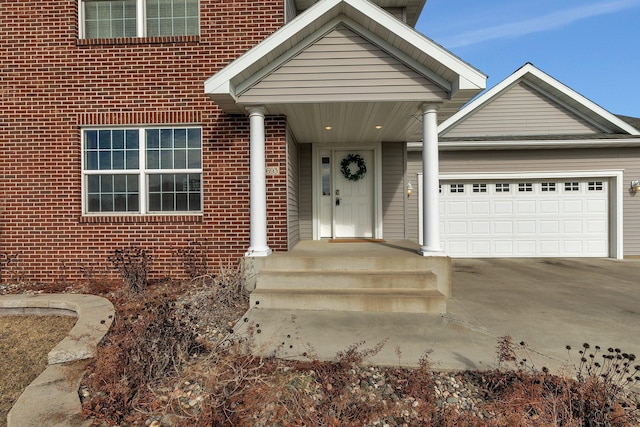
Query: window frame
x,y
141,22
142,172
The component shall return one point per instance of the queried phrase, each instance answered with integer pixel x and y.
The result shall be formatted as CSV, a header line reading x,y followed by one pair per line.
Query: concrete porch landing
x,y
388,276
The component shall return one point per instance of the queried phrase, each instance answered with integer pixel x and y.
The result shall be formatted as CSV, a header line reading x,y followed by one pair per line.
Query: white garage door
x,y
528,218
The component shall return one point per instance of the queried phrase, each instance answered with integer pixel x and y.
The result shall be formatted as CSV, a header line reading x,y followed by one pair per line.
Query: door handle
x,y
337,201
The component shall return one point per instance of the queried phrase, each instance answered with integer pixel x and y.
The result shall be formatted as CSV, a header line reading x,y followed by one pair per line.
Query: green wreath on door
x,y
345,167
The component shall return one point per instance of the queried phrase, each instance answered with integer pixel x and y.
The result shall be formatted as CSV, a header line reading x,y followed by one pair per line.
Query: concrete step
x,y
355,299
346,279
282,262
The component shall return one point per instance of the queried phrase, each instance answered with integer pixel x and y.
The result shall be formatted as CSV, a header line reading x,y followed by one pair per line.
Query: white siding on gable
x,y
343,67
521,111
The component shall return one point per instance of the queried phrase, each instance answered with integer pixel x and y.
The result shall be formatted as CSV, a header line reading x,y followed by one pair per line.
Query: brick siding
x,y
53,84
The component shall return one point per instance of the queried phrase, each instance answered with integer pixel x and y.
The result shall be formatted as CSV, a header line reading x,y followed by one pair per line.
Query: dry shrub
x,y
597,396
133,264
146,343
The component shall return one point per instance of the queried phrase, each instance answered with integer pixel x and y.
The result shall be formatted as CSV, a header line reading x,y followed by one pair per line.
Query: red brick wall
x,y
52,84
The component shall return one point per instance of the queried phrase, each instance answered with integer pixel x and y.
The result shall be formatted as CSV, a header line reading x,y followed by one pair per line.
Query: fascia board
x,y
529,144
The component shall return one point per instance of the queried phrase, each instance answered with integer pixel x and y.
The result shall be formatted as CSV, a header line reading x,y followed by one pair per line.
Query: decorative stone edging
x,y
52,398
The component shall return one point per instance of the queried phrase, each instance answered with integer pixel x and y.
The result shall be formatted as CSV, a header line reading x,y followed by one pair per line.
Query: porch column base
x,y
427,251
258,252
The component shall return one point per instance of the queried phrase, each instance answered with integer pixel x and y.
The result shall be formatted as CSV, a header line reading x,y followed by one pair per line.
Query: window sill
x,y
123,219
138,40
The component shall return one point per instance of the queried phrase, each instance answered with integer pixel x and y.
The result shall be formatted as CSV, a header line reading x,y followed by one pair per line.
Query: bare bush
x,y
133,264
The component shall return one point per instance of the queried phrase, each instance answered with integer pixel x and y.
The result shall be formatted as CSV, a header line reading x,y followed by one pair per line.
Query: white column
x,y
430,182
258,185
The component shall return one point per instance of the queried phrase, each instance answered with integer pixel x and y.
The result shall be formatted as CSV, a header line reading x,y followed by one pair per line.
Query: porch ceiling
x,y
352,122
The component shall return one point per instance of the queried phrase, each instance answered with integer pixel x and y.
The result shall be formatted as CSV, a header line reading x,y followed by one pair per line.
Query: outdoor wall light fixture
x,y
409,189
635,186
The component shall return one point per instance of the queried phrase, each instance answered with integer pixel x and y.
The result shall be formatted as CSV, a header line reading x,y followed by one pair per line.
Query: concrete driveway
x,y
547,303
550,303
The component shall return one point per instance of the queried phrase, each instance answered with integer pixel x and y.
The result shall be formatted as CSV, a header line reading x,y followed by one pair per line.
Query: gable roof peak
x,y
532,75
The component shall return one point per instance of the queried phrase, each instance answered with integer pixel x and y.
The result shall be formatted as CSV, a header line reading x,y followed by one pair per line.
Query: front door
x,y
348,187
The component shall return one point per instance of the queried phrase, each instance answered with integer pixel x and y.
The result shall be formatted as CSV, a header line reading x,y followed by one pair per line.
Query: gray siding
x,y
521,110
293,191
289,10
306,193
627,159
414,167
393,190
343,67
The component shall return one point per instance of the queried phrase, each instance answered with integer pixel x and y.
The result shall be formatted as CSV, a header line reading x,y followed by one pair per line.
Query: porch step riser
x,y
358,302
389,264
345,280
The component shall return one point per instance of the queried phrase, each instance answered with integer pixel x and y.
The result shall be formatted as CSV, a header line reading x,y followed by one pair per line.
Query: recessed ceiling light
x,y
328,128
378,127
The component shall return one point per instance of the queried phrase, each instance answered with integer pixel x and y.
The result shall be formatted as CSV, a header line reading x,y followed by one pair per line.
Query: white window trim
x,y
142,172
141,19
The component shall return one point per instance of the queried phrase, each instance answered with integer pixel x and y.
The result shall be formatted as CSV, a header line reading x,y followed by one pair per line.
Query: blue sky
x,y
592,46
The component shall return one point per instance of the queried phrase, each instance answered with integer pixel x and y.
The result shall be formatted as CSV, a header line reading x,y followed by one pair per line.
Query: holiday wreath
x,y
346,164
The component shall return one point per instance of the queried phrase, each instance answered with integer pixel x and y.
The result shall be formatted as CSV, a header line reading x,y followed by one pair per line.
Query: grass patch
x,y
24,345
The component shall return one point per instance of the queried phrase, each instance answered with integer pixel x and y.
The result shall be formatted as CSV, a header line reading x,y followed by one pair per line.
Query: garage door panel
x,y
503,207
503,247
503,227
457,228
526,247
481,247
572,206
524,207
480,208
596,206
525,218
549,227
549,206
572,226
457,207
596,226
551,247
526,227
480,227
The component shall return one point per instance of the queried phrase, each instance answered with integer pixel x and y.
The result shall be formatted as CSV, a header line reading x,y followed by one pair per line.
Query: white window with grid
x,y
456,188
142,171
479,188
502,187
138,18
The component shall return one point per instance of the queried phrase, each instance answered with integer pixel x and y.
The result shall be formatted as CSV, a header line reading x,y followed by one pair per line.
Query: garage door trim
x,y
616,186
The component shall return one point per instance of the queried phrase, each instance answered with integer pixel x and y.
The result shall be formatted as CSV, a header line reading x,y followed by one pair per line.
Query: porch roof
x,y
399,118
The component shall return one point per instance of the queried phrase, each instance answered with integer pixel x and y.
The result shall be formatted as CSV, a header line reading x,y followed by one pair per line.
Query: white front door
x,y
347,198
